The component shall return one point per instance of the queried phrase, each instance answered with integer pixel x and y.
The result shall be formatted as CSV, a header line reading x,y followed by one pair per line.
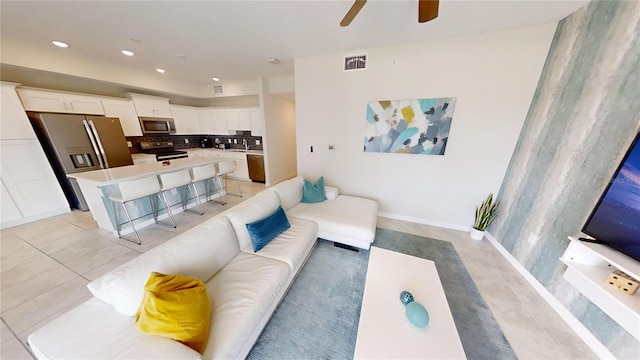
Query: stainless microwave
x,y
153,125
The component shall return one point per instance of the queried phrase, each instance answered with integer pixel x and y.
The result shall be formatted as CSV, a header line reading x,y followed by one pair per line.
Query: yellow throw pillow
x,y
176,307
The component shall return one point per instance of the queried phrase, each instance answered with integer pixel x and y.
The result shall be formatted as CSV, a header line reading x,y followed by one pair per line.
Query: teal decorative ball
x,y
417,314
406,297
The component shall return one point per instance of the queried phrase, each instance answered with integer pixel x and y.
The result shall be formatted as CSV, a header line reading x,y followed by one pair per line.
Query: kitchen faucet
x,y
246,144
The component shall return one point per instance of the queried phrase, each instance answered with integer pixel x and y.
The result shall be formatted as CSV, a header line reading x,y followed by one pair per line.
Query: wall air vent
x,y
356,62
217,89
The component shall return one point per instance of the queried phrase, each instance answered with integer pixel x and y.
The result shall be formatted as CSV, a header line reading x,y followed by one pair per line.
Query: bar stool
x,y
171,181
133,190
204,173
224,168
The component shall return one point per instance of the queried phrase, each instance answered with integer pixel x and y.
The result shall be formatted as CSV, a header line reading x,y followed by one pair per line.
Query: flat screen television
x,y
615,220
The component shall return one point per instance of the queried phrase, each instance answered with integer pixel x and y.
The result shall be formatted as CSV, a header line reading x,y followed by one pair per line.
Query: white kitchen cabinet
x,y
238,119
59,101
186,119
29,183
242,167
213,121
151,106
257,124
10,212
126,112
14,123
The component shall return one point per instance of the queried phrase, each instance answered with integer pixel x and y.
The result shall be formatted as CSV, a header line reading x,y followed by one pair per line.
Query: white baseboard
x,y
575,324
424,221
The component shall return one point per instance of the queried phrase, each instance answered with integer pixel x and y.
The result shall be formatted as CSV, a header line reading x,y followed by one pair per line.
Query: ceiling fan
x,y
427,10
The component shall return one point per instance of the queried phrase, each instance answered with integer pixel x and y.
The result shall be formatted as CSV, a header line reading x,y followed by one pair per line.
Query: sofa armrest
x,y
331,192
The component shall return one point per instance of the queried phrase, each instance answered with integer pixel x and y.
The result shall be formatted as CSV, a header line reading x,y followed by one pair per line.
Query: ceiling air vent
x,y
356,62
217,89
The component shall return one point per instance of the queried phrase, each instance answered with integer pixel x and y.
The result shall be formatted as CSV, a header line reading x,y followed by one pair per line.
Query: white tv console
x,y
588,265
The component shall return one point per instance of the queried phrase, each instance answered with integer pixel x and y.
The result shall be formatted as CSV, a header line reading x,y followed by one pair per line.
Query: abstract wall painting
x,y
419,126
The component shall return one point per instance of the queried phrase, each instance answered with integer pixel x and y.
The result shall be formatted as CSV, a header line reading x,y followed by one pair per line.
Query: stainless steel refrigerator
x,y
79,143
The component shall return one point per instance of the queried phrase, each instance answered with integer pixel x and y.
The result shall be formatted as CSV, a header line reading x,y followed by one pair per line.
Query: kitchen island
x,y
98,185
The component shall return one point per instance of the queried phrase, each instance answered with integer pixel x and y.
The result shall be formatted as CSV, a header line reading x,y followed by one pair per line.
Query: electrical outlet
x,y
129,144
332,147
533,239
186,141
174,191
257,142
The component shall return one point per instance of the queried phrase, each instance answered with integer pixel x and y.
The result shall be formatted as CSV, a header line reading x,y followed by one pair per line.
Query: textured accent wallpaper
x,y
582,119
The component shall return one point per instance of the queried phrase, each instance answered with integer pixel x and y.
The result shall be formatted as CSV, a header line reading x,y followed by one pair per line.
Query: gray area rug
x,y
318,318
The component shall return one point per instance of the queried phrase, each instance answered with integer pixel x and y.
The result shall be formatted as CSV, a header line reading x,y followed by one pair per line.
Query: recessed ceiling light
x,y
182,56
128,53
60,44
273,61
215,79
161,71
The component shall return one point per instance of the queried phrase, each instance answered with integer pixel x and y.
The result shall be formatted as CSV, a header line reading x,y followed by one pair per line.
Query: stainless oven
x,y
163,150
153,125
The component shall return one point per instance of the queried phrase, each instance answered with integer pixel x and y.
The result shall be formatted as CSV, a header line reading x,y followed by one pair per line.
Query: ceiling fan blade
x,y
351,14
427,10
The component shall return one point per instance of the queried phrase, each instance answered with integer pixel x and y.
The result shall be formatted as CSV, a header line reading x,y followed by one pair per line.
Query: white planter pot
x,y
476,234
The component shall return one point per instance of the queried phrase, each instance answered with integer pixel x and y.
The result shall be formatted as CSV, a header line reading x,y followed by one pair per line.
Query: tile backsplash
x,y
193,141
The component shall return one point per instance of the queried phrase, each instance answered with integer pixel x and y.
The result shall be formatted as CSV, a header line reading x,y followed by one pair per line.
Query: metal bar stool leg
x,y
223,191
195,191
131,222
237,183
163,197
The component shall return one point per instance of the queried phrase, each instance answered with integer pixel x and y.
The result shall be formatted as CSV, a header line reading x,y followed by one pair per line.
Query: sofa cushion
x,y
289,191
313,193
176,307
92,330
331,192
200,252
346,217
256,208
293,245
264,230
241,295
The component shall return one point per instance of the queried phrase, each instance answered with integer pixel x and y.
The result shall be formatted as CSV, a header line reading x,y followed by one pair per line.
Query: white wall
x,y
279,135
492,75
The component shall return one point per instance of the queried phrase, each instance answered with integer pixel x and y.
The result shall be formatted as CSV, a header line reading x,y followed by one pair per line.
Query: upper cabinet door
x,y
126,112
60,102
212,121
186,119
151,106
14,123
238,119
257,124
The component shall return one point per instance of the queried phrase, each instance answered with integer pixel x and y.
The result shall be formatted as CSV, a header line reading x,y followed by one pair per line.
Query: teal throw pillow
x,y
313,193
267,229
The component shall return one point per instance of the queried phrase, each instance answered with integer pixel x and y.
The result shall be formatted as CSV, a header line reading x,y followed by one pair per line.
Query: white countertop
x,y
131,172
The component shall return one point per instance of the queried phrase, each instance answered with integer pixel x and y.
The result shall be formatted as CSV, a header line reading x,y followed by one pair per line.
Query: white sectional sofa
x,y
244,286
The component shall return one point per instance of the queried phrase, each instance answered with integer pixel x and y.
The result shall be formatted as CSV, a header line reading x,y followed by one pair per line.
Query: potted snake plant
x,y
485,214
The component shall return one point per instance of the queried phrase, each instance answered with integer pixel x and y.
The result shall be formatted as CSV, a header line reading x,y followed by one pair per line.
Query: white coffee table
x,y
384,331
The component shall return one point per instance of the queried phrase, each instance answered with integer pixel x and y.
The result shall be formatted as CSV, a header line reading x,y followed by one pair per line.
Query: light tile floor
x,y
45,266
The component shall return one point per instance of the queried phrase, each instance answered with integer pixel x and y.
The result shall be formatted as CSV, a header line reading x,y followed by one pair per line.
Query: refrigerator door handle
x,y
102,154
89,130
